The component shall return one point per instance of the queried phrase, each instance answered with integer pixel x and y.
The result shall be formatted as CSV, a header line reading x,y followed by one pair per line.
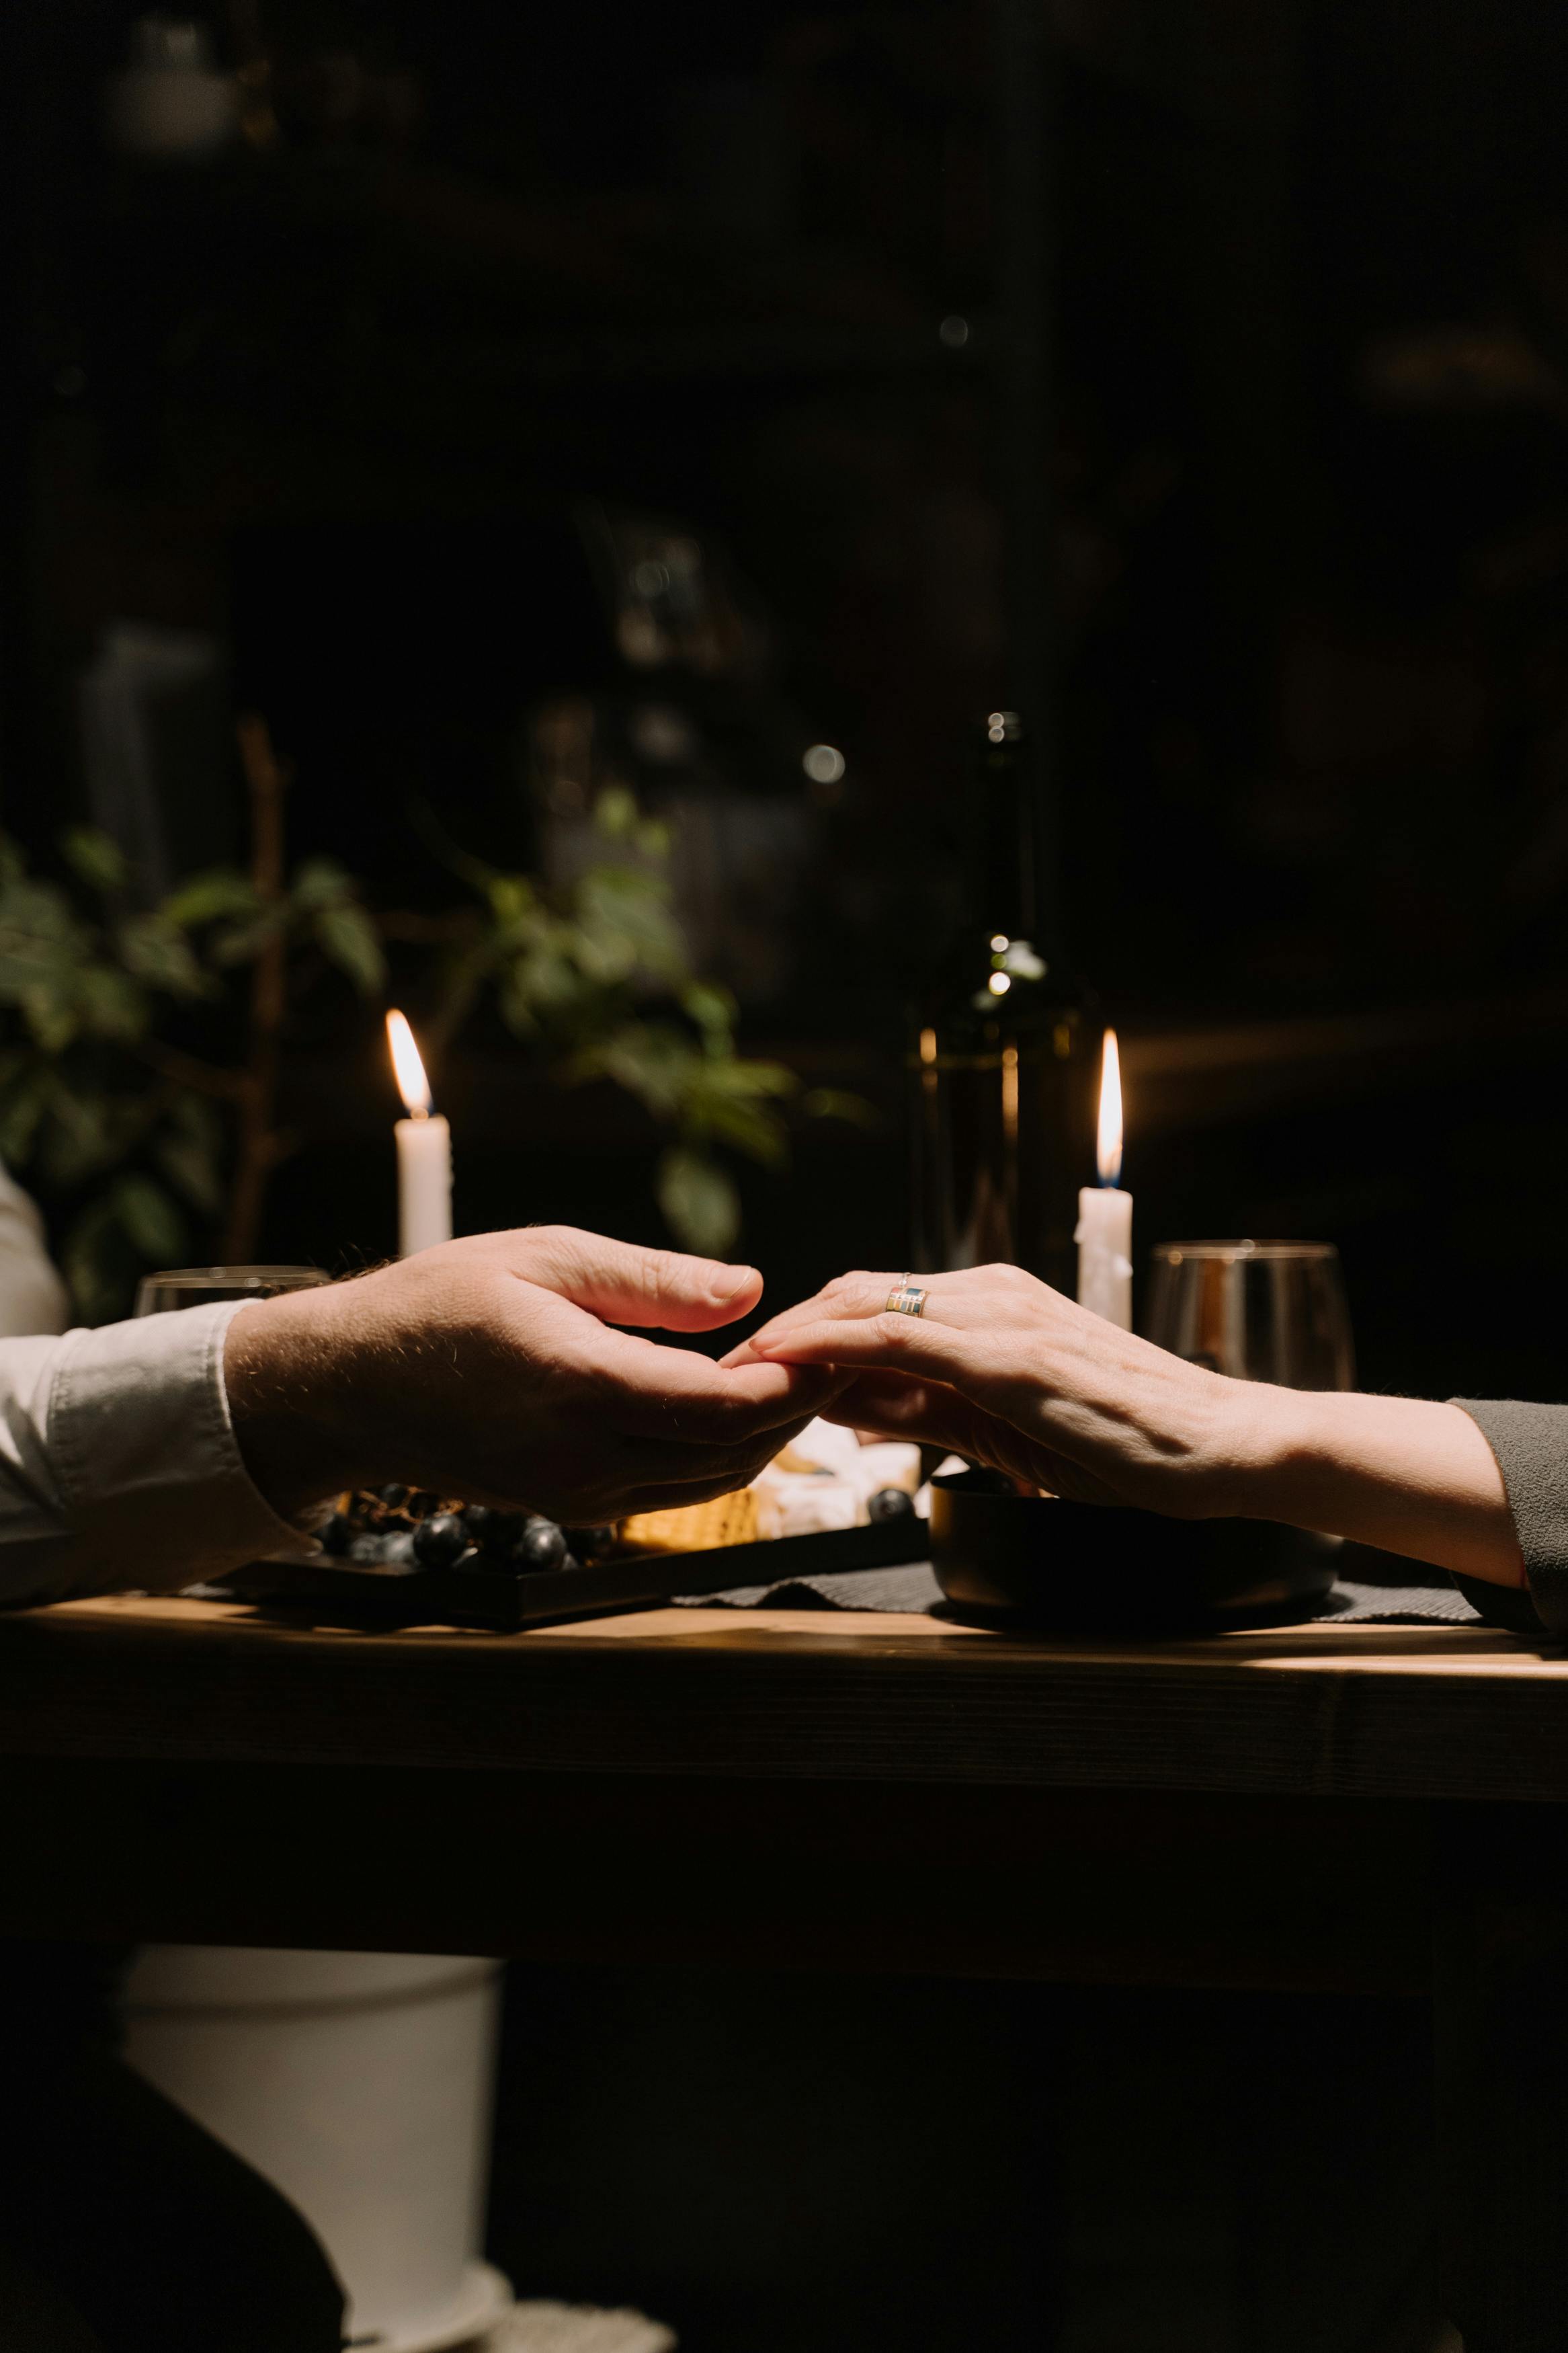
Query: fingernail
x,y
733,1279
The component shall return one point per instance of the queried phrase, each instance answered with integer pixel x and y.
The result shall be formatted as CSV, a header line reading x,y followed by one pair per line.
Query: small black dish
x,y
1004,1558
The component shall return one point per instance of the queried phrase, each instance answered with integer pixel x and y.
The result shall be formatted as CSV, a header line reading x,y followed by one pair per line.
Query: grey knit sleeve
x,y
1531,1443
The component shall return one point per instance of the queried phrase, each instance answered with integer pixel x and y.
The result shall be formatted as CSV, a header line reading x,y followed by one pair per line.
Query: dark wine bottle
x,y
1003,1059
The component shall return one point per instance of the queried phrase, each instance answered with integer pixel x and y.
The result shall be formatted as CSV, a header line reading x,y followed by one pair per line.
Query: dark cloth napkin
x,y
914,1591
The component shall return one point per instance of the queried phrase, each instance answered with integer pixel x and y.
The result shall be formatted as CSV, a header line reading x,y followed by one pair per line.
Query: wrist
x,y
1267,1443
287,1370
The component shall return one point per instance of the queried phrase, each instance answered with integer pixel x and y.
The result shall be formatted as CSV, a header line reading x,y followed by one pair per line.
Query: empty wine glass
x,y
1259,1311
202,1286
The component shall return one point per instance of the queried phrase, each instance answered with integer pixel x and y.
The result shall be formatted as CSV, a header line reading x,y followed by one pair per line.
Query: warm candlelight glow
x,y
1110,1145
411,1083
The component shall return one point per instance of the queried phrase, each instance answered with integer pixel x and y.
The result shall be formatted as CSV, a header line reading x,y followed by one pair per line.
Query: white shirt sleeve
x,y
32,1296
119,1464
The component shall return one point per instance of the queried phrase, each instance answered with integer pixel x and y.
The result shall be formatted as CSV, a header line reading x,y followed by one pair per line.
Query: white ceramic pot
x,y
361,2085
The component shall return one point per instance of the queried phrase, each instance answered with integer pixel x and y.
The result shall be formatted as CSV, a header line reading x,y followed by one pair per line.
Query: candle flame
x,y
1110,1142
411,1083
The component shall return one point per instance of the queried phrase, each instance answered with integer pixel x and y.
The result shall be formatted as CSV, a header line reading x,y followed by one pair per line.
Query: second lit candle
x,y
1104,1234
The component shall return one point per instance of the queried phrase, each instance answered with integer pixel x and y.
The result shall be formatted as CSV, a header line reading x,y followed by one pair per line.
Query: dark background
x,y
1191,371
1266,304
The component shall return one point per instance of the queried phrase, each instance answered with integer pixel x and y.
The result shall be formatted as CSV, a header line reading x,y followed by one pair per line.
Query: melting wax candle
x,y
424,1151
1104,1234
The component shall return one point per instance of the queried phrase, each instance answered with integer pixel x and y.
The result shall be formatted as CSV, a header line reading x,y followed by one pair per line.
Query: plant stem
x,y
188,1071
258,1147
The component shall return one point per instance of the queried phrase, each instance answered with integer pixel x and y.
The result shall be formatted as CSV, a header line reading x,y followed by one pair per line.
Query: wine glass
x,y
202,1286
1259,1311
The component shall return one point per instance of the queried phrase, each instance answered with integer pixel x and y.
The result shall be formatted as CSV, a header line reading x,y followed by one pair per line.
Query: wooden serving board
x,y
390,1594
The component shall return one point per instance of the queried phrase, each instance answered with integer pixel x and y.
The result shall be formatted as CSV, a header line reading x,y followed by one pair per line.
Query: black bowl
x,y
1080,1569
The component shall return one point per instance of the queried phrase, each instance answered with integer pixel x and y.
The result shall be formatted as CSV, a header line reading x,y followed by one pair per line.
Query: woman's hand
x,y
1003,1371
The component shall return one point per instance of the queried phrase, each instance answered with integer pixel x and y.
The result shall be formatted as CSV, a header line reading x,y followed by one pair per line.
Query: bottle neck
x,y
1007,900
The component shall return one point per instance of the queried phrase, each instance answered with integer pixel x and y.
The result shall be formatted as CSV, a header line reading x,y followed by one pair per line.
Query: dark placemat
x,y
915,1592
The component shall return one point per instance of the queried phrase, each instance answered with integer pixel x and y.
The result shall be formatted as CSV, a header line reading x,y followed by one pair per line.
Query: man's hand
x,y
487,1369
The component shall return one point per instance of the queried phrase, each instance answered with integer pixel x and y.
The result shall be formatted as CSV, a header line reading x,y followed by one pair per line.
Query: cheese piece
x,y
790,1504
695,1528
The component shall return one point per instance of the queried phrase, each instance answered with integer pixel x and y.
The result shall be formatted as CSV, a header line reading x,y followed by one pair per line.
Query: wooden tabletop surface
x,y
1416,1713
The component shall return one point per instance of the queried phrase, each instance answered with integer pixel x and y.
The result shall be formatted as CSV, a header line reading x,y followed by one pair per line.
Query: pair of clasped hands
x,y
501,1368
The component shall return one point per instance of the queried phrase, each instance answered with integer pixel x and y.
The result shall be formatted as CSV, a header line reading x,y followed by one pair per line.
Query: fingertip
x,y
734,1290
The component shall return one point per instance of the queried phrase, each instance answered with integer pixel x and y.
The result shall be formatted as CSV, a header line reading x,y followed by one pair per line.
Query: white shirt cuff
x,y
154,1487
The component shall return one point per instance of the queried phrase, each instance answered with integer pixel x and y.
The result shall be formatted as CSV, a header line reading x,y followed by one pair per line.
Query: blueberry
x,y
890,1504
591,1544
440,1542
398,1548
366,1551
542,1545
338,1533
421,1503
393,1495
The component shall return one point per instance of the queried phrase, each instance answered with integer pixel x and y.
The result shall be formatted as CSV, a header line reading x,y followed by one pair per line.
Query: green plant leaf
x,y
649,1060
700,1202
713,1011
616,813
51,1019
616,905
238,943
510,895
318,882
190,1153
204,898
96,858
25,1101
87,1259
148,1217
739,1120
111,1004
81,1136
348,936
834,1103
156,951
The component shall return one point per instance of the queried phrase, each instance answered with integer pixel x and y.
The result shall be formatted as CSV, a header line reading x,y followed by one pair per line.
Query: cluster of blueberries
x,y
406,1527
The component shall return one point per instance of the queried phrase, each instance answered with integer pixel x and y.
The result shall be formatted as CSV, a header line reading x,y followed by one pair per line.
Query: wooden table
x,y
709,1785
1327,1808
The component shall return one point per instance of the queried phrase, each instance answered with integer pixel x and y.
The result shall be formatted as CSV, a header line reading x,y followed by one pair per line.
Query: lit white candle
x,y
424,1151
1104,1235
